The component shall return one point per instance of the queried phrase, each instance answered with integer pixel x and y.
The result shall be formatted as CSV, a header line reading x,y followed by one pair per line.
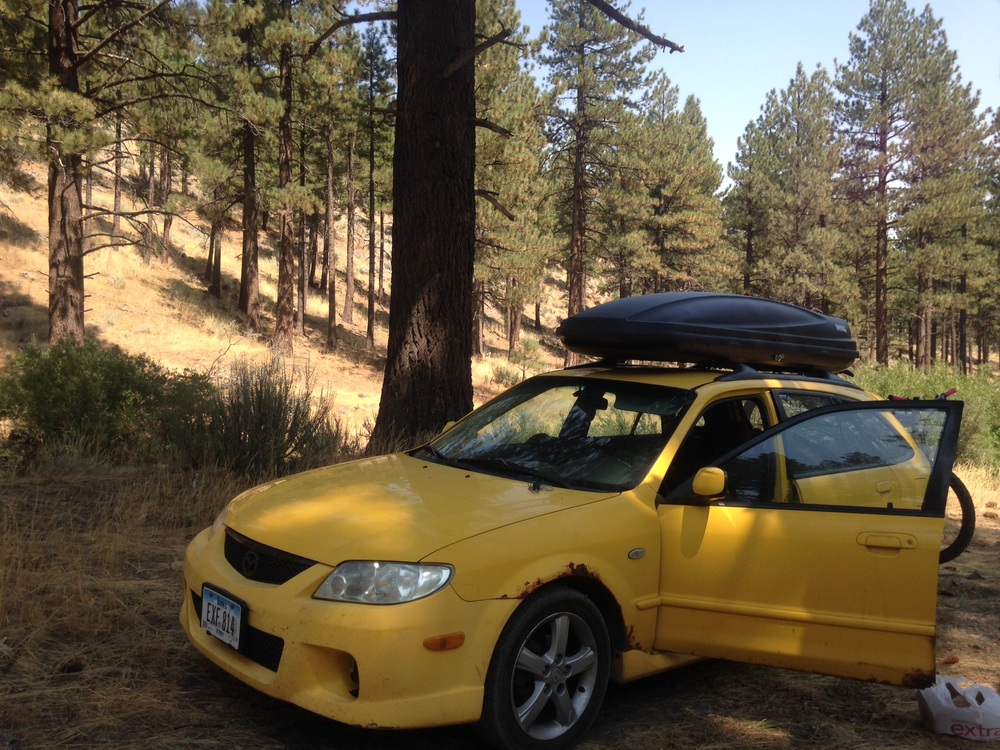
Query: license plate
x,y
222,616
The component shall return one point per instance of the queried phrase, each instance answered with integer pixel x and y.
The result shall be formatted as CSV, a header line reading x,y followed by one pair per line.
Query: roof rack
x,y
734,370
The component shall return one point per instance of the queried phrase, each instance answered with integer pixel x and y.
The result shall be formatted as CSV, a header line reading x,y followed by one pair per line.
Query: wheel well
x,y
594,590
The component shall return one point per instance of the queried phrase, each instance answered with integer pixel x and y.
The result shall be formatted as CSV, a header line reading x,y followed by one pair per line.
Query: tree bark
x,y
478,315
313,246
428,375
249,278
348,314
215,254
381,257
300,241
882,247
166,183
116,220
370,328
285,316
329,247
513,320
65,199
575,273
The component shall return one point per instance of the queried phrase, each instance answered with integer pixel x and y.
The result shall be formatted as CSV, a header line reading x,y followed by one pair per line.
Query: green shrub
x,y
100,402
979,441
506,375
264,426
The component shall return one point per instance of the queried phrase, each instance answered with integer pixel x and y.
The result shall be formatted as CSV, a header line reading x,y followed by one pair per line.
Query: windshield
x,y
581,433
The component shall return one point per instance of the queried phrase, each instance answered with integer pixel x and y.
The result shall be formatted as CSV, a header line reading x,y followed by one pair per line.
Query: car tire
x,y
953,546
548,675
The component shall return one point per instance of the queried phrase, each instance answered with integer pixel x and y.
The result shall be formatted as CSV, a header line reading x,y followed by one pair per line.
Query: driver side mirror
x,y
709,484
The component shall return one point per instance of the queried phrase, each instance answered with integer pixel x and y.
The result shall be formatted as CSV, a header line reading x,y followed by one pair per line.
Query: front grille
x,y
260,647
261,563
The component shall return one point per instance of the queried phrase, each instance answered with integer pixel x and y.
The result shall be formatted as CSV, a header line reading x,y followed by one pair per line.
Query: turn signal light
x,y
444,642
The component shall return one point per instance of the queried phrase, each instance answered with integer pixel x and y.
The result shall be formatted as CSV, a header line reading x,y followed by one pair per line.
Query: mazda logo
x,y
251,560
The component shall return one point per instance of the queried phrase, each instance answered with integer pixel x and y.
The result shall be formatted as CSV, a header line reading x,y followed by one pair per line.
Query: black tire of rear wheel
x,y
506,681
968,526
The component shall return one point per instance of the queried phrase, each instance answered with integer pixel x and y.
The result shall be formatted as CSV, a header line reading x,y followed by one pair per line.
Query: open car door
x,y
816,546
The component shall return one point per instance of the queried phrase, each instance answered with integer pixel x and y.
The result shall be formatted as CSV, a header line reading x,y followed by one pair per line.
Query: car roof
x,y
695,377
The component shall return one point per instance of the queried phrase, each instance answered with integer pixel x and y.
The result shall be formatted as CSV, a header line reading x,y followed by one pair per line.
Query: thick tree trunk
x,y
249,272
166,184
370,329
882,251
330,247
749,257
66,296
926,313
285,316
313,246
428,375
513,316
963,323
348,314
215,275
88,202
116,220
249,277
575,273
65,199
300,241
478,317
381,257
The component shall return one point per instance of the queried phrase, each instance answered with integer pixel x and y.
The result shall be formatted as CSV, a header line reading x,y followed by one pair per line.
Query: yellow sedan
x,y
605,522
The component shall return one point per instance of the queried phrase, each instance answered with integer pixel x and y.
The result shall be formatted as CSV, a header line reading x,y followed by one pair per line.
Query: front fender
x,y
613,542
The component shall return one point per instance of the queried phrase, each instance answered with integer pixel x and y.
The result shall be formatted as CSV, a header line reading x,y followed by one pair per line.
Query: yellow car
x,y
603,522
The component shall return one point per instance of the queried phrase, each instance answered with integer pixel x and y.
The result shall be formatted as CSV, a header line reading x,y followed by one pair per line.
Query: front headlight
x,y
373,582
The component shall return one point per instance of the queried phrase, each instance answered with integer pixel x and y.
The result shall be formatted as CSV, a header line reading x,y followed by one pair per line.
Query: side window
x,y
792,403
858,458
723,426
828,446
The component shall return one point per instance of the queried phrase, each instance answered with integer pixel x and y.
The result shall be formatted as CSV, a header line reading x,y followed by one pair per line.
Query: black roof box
x,y
704,326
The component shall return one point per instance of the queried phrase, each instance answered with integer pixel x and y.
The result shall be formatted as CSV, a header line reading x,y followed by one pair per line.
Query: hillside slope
x,y
162,309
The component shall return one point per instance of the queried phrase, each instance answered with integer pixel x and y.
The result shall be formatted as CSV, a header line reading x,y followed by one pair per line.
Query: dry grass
x,y
91,651
162,309
92,654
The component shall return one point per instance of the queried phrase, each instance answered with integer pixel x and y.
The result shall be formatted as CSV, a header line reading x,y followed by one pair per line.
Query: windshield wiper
x,y
509,467
435,453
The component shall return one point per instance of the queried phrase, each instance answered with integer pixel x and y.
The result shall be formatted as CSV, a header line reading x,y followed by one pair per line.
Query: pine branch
x,y
613,13
489,125
119,31
470,55
491,196
387,15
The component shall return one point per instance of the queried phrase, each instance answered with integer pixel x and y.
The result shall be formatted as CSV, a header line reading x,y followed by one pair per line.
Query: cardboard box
x,y
960,708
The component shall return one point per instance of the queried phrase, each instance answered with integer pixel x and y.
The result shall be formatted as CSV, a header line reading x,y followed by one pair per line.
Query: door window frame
x,y
935,496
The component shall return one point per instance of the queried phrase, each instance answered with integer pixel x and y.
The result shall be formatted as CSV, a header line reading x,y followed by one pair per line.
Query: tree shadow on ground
x,y
13,232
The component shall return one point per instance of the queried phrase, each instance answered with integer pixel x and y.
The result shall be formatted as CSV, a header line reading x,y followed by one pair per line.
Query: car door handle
x,y
886,540
883,488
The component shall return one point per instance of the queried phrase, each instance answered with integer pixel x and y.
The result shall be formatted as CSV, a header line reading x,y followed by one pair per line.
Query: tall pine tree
x,y
594,66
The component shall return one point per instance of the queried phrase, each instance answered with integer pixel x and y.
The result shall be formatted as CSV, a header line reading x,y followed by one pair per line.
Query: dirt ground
x,y
92,654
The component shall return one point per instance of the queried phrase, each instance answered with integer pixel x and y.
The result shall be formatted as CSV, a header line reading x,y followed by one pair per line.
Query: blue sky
x,y
738,50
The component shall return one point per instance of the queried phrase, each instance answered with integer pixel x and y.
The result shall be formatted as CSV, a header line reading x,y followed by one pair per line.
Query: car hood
x,y
388,508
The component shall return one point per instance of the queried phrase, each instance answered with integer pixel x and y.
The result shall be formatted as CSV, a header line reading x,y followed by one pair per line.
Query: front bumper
x,y
359,664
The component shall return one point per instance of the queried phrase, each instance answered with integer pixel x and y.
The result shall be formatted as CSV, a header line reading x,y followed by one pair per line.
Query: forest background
x,y
868,192
219,176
